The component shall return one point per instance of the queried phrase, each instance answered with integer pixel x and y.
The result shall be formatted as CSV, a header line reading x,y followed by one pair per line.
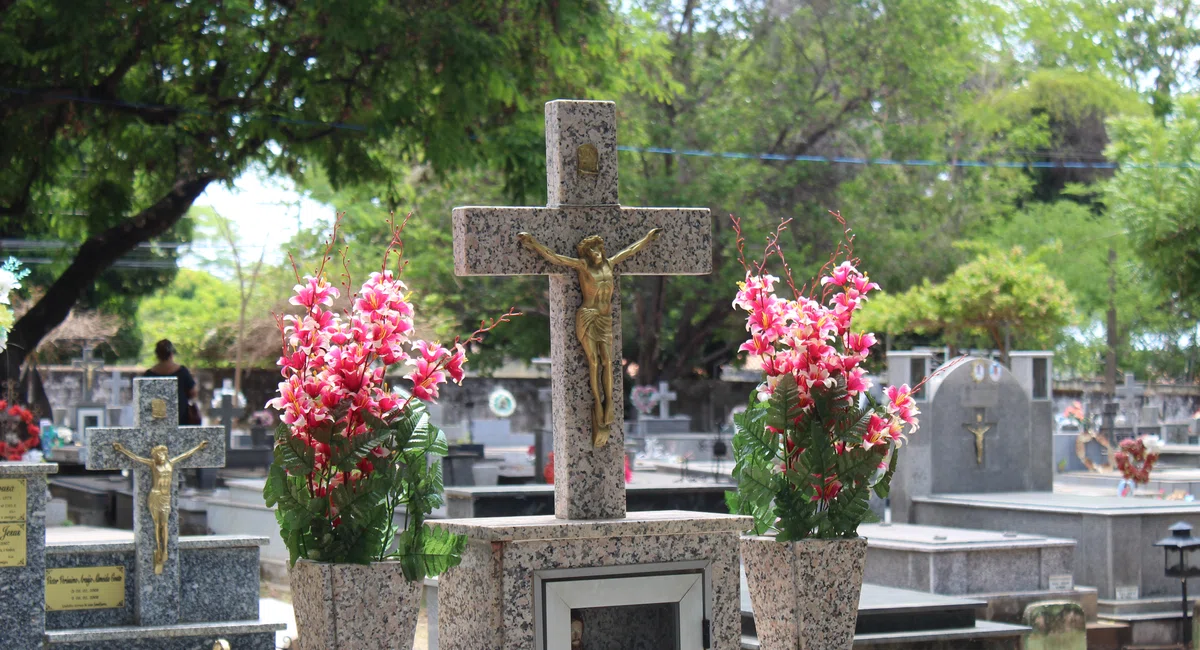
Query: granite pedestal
x,y
488,600
23,498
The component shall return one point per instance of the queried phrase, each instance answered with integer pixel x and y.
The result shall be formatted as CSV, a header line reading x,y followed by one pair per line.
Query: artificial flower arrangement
x,y
1136,457
349,450
11,275
12,447
1075,415
813,444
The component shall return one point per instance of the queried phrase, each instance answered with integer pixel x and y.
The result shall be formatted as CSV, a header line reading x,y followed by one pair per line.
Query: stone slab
x,y
1115,536
957,561
23,588
637,524
938,539
530,500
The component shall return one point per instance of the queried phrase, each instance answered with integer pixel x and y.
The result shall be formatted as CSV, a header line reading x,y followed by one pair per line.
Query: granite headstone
x,y
976,437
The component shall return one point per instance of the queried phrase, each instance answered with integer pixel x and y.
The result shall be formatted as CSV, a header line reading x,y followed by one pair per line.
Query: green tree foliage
x,y
115,116
1000,299
198,312
1159,204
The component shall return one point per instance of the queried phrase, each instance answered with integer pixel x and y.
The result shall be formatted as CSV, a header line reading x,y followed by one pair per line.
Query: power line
x,y
851,160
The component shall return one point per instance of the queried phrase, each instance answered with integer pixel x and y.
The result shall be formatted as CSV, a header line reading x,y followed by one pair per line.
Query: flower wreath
x,y
644,398
32,439
1135,460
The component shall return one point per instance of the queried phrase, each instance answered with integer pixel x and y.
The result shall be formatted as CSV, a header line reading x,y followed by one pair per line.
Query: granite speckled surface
x,y
635,524
570,124
156,596
23,588
485,239
192,636
353,606
630,627
219,579
589,482
793,584
493,589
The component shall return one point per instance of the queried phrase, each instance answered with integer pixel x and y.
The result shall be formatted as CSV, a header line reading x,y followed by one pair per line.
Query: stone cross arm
x,y
102,455
486,238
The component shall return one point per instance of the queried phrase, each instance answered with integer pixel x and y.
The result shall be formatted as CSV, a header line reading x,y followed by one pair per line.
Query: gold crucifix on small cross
x,y
978,428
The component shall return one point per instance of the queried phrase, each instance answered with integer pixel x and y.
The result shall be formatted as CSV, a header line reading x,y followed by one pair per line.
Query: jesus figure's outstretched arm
x,y
636,246
530,242
187,454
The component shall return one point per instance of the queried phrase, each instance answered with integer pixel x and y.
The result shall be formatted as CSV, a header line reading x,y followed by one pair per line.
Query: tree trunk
x,y
95,256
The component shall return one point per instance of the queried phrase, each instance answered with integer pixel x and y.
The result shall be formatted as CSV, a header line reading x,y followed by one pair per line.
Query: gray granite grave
x,y
957,561
204,590
23,497
976,436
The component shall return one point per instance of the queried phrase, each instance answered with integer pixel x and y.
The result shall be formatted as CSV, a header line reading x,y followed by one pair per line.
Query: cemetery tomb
x,y
977,436
531,582
23,498
957,561
154,588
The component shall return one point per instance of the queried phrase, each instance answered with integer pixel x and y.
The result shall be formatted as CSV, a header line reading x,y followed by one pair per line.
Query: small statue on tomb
x,y
162,474
593,321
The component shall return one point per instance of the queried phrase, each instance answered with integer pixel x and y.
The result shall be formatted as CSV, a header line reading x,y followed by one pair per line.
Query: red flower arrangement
x,y
1136,459
33,434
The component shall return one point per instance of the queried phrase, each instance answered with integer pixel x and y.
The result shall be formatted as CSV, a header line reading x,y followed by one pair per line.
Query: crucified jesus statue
x,y
593,321
162,475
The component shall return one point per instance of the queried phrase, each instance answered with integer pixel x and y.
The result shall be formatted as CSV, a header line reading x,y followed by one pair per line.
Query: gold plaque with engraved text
x,y
93,587
12,499
12,545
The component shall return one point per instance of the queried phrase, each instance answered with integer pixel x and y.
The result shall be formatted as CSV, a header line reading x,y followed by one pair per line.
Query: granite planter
x,y
804,594
354,606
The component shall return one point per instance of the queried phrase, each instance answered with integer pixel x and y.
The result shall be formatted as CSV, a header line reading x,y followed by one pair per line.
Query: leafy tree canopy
x,y
115,116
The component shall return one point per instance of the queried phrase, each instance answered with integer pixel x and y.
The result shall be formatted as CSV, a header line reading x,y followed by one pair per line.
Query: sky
x,y
267,210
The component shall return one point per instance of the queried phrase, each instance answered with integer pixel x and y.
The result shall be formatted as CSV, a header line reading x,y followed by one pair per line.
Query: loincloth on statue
x,y
592,325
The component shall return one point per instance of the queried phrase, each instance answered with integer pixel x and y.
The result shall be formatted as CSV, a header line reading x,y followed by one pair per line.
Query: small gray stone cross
x,y
89,364
581,176
155,422
665,397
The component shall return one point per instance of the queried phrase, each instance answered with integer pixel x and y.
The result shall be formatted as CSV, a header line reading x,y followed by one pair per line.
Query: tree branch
x,y
96,255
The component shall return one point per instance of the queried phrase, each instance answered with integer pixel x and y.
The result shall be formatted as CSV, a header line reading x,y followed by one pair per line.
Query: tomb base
x,y
188,636
218,600
631,582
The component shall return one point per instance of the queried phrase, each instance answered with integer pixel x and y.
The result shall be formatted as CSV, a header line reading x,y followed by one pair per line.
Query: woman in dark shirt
x,y
166,367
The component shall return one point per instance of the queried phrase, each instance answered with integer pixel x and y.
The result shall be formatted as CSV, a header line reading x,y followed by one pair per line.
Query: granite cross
x,y
581,175
113,385
665,397
155,423
89,364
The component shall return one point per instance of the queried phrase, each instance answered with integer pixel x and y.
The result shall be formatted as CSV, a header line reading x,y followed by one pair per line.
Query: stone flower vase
x,y
354,606
805,594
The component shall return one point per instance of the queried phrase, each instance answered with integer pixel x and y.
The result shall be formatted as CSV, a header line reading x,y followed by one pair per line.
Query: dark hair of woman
x,y
164,350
